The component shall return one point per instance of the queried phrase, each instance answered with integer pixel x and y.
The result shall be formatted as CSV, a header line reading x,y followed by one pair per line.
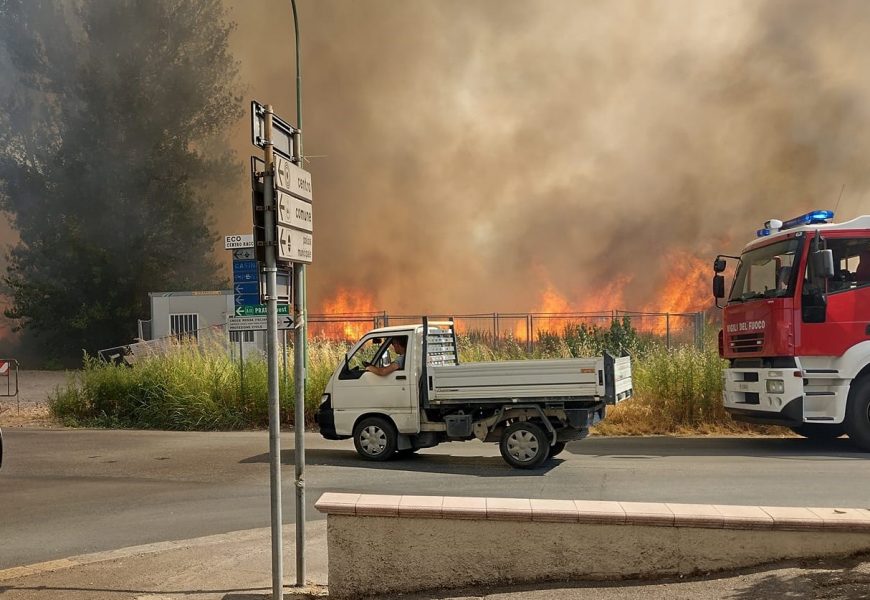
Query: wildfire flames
x,y
685,289
347,316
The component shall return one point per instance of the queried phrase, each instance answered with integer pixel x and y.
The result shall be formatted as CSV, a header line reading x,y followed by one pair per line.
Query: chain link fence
x,y
669,329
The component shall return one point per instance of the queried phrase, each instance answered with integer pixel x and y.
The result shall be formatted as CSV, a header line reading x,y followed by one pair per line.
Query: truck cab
x,y
391,403
796,327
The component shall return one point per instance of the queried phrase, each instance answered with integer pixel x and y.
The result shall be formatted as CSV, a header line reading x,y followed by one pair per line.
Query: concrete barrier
x,y
394,544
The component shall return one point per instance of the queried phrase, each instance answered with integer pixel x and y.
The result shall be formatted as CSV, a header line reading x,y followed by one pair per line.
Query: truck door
x,y
847,311
358,391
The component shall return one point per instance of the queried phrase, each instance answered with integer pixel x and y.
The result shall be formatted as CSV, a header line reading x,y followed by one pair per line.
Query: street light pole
x,y
300,349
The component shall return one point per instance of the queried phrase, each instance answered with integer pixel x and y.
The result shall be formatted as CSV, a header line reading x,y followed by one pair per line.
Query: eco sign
x,y
239,241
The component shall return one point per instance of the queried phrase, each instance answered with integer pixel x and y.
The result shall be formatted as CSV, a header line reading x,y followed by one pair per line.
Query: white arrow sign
x,y
256,323
292,179
294,212
294,245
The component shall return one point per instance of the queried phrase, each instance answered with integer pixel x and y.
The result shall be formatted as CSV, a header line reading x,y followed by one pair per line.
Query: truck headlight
x,y
775,386
324,398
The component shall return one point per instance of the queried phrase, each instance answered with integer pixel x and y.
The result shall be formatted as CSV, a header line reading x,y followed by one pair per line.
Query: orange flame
x,y
350,313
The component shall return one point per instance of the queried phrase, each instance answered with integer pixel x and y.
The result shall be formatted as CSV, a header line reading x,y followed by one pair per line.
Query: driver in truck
x,y
399,345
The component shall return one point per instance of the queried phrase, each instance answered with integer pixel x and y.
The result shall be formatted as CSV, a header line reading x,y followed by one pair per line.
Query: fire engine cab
x,y
796,327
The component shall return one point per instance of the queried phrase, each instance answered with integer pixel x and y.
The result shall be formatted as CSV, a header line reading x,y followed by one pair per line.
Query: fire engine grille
x,y
747,342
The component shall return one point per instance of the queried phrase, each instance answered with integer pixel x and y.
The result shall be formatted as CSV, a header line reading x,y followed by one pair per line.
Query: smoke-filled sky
x,y
468,155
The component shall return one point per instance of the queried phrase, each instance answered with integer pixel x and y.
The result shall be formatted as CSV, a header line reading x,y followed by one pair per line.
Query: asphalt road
x,y
69,492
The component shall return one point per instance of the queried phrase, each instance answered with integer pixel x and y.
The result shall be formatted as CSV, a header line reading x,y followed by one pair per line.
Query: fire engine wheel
x,y
819,431
375,438
858,413
524,445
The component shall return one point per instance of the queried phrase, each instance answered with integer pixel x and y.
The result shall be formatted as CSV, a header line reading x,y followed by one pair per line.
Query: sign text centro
x,y
239,241
292,179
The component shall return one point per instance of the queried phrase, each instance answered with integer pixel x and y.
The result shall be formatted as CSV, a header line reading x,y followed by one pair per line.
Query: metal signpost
x,y
283,225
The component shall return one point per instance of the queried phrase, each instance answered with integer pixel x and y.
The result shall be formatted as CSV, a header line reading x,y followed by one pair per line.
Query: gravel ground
x,y
34,388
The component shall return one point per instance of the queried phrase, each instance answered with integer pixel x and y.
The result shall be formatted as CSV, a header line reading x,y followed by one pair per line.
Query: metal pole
x,y
271,271
284,344
241,369
300,347
668,330
299,368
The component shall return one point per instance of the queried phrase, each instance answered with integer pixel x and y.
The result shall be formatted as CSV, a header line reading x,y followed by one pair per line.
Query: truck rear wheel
x,y
819,431
375,438
524,445
858,414
556,449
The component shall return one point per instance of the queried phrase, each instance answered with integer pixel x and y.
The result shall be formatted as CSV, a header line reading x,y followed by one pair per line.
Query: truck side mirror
x,y
823,263
718,286
718,265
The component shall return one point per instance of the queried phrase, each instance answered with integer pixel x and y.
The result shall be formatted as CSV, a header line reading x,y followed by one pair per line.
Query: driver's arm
x,y
393,366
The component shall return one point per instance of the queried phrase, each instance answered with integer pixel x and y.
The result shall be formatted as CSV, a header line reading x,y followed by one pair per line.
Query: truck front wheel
x,y
858,414
375,438
524,445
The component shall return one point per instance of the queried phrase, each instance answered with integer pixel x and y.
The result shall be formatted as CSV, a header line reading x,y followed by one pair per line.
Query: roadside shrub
x,y
676,391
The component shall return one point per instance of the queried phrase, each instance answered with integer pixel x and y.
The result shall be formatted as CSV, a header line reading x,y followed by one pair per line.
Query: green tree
x,y
110,141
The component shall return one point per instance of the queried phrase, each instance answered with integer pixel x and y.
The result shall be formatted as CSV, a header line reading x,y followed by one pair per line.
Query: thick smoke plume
x,y
469,154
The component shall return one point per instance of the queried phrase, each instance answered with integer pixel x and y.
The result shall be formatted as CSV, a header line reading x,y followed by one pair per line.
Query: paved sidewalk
x,y
237,566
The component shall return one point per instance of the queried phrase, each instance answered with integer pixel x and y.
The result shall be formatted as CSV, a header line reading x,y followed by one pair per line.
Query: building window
x,y
244,336
184,325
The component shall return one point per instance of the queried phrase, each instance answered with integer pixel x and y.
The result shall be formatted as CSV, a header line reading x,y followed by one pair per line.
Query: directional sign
x,y
246,283
239,241
294,245
245,253
245,276
294,212
291,179
259,310
282,131
245,265
256,323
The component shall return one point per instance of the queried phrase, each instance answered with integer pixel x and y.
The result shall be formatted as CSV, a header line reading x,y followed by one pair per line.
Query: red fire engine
x,y
796,327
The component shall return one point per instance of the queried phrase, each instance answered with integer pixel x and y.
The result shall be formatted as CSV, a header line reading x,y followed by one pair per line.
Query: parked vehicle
x,y
797,327
530,407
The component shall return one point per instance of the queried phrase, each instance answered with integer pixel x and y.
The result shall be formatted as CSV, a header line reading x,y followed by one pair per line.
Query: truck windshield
x,y
767,272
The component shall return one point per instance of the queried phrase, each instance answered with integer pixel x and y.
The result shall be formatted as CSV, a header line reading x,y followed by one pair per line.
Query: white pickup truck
x,y
530,407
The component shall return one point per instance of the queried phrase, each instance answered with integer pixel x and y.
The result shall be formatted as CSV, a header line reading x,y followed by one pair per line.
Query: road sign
x,y
245,276
294,245
294,212
246,283
282,131
239,241
245,265
4,368
245,253
292,179
259,309
256,323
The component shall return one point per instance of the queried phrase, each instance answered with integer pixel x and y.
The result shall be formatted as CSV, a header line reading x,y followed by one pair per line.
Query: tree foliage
x,y
110,139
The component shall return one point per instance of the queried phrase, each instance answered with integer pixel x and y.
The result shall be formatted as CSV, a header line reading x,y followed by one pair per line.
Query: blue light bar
x,y
762,232
811,218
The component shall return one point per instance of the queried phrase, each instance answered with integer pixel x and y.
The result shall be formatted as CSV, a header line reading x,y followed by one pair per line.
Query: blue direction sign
x,y
246,283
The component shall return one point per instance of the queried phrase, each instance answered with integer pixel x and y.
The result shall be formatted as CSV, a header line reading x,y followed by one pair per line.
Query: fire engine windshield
x,y
767,272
